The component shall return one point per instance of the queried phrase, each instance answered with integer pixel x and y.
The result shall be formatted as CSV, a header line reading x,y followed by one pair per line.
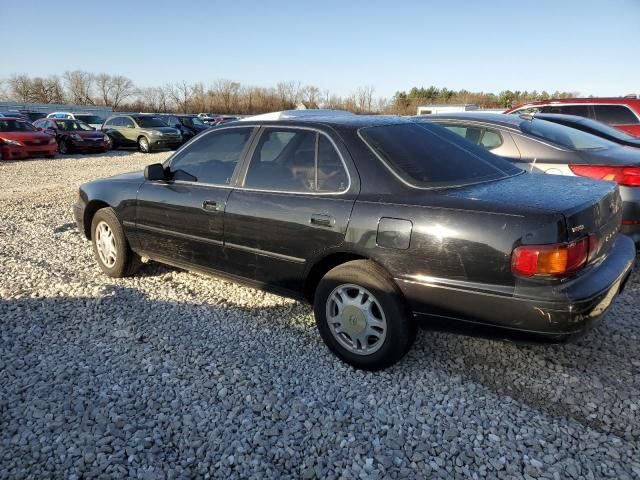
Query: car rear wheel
x,y
63,147
110,246
362,316
143,145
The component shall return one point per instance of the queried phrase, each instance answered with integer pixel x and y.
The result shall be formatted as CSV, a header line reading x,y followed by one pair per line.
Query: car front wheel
x,y
110,246
143,145
63,147
362,316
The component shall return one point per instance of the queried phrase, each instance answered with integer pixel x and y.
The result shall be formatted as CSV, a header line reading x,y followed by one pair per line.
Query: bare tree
x,y
20,88
103,84
79,84
180,93
364,99
121,88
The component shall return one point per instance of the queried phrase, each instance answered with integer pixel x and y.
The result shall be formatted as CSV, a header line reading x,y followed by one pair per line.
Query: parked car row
x,y
378,221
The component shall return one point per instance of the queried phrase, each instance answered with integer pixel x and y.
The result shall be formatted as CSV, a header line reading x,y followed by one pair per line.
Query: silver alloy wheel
x,y
144,144
106,244
63,147
356,319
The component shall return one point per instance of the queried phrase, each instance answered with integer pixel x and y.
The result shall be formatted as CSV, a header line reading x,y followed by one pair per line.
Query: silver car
x,y
539,146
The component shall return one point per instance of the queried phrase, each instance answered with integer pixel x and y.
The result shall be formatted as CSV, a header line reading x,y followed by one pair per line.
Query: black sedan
x,y
540,146
189,125
376,221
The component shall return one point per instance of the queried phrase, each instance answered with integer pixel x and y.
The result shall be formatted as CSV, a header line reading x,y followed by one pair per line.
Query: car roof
x,y
503,119
351,121
589,100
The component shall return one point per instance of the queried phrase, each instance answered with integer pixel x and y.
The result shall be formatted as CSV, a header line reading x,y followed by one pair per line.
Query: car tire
x,y
63,147
143,145
49,156
373,328
110,246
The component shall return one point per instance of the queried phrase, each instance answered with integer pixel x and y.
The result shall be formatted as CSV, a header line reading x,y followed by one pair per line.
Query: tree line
x,y
227,96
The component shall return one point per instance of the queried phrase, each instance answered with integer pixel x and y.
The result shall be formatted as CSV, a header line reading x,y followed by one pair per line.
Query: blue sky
x,y
592,47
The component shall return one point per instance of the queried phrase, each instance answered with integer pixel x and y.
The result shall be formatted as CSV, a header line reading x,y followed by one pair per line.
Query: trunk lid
x,y
589,207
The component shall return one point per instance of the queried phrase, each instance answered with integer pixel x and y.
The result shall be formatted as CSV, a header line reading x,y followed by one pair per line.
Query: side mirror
x,y
154,172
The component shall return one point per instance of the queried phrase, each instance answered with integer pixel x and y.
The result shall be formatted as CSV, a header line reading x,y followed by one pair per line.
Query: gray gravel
x,y
172,375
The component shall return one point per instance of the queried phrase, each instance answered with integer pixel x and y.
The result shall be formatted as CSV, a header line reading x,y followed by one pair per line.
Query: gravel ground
x,y
173,374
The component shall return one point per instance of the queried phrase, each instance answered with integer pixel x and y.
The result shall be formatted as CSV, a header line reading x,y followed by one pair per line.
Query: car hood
x,y
89,134
137,176
20,136
611,156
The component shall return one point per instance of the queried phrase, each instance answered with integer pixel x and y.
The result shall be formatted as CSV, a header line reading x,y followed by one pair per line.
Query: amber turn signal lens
x,y
555,260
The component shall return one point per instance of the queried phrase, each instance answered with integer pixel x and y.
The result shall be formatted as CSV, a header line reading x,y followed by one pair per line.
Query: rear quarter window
x,y
427,155
615,115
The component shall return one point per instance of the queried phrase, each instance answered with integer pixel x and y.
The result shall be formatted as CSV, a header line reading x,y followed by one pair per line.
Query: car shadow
x,y
582,381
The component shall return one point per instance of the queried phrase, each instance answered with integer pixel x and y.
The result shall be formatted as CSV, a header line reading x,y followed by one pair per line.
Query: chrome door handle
x,y
322,220
210,205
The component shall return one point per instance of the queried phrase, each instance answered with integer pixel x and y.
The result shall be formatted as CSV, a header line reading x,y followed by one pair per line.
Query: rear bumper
x,y
14,152
553,312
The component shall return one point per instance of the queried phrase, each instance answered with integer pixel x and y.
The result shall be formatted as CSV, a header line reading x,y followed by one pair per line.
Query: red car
x,y
74,135
622,113
20,139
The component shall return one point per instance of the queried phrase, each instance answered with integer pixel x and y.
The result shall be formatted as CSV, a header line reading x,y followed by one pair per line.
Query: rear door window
x,y
491,139
615,115
427,155
294,160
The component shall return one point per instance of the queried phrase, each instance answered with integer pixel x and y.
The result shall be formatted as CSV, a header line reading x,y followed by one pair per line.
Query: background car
x,y
147,132
90,119
188,125
540,146
33,116
621,113
374,220
74,136
20,139
592,126
18,115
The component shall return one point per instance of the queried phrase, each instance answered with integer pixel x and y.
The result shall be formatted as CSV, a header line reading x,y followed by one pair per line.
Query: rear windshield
x,y
16,126
429,156
607,130
562,135
150,122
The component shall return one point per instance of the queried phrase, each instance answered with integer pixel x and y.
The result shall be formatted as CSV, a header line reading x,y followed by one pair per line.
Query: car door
x,y
129,132
292,204
181,220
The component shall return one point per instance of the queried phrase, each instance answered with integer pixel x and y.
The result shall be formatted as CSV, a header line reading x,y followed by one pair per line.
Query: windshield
x,y
16,126
89,118
562,135
428,155
72,126
150,122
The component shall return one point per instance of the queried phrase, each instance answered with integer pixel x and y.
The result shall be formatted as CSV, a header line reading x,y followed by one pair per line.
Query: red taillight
x,y
627,176
556,260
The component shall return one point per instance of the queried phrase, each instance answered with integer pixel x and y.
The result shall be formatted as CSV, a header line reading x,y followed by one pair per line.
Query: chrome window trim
x,y
240,185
